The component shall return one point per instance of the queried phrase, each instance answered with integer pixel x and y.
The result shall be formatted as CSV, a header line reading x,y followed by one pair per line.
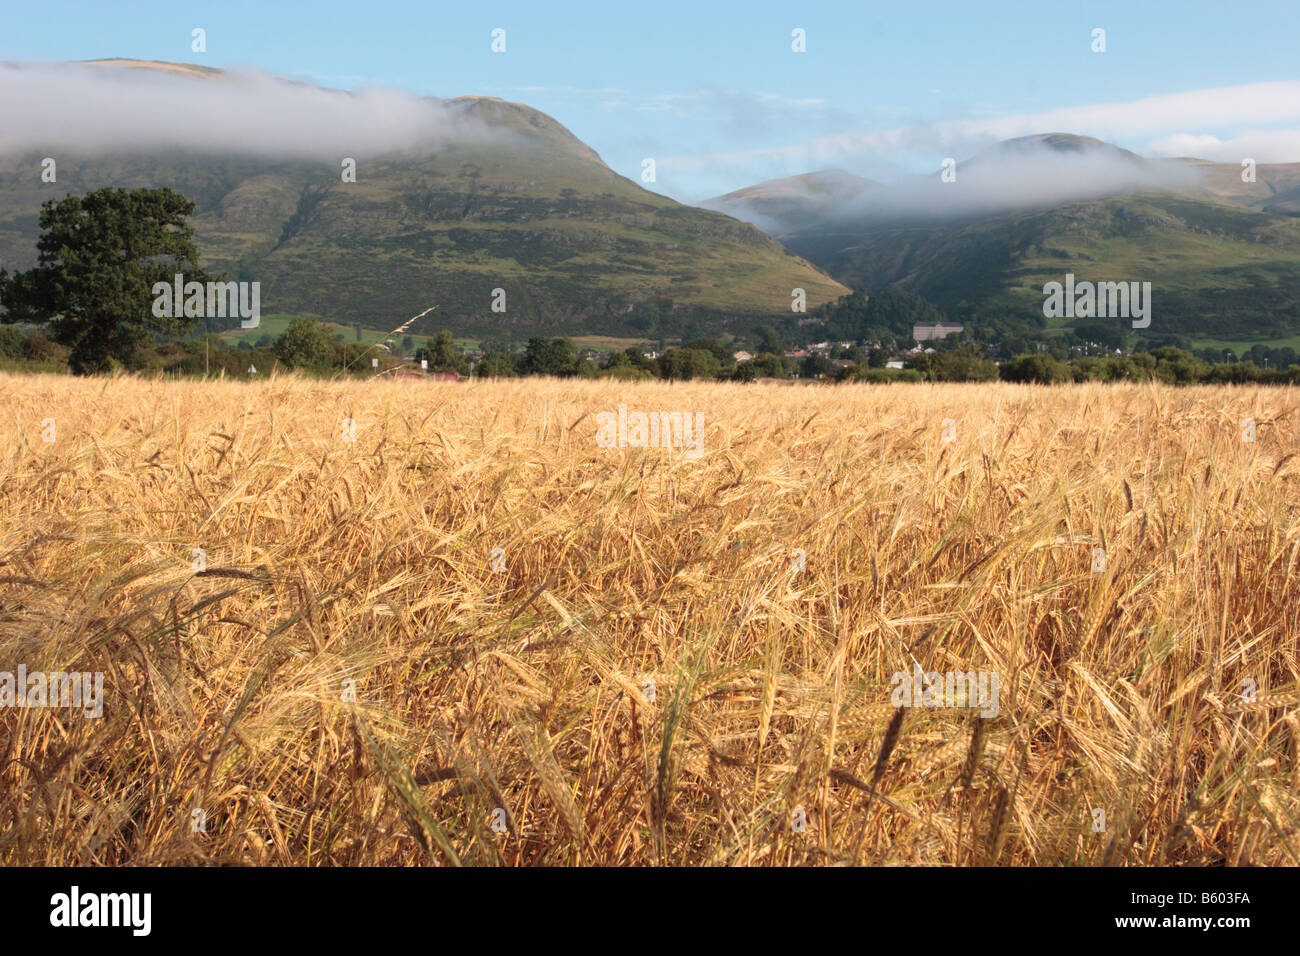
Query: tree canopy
x,y
305,344
99,256
442,355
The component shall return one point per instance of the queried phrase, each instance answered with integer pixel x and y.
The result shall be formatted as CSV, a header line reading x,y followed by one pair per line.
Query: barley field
x,y
471,635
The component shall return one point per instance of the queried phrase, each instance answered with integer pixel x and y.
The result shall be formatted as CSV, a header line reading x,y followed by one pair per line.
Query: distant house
x,y
935,332
743,357
796,353
894,363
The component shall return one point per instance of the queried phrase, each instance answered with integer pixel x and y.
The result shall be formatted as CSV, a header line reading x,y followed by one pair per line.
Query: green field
x,y
275,324
609,343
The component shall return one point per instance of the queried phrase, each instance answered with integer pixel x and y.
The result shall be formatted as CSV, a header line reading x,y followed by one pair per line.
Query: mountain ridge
x,y
518,203
1223,254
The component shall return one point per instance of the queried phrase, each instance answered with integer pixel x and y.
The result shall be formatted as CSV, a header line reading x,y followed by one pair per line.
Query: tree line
x,y
86,307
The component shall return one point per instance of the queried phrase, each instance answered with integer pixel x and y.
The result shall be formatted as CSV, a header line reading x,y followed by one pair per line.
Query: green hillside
x,y
532,210
1222,255
1217,271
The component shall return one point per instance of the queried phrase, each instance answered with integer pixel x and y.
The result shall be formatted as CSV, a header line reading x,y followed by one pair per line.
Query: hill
x,y
780,206
1223,255
512,201
1218,272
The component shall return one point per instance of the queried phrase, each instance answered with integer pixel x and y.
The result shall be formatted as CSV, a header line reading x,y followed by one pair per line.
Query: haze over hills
x,y
1029,171
1223,255
780,206
452,199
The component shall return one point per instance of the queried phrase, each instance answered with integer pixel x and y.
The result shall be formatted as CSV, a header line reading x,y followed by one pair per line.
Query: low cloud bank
x,y
1019,175
106,108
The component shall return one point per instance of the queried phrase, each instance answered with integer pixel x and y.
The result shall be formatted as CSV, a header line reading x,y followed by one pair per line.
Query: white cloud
x,y
1031,174
87,108
1263,146
1135,121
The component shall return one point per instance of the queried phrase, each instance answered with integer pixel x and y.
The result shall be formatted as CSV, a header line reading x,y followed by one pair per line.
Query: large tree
x,y
305,344
556,357
442,354
99,258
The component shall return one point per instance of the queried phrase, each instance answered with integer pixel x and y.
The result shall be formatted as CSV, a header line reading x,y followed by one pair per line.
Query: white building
x,y
935,332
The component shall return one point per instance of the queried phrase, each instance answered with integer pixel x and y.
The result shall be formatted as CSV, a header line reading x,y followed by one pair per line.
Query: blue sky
x,y
715,94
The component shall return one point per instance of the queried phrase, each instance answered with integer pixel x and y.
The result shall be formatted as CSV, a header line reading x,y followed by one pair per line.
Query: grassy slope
x,y
1222,256
1218,271
537,214
275,324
